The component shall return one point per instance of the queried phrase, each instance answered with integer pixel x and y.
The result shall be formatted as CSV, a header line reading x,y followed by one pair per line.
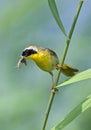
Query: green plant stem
x,y
70,36
48,110
71,31
62,62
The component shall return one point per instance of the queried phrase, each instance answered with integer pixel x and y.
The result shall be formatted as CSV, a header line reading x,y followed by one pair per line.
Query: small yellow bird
x,y
46,59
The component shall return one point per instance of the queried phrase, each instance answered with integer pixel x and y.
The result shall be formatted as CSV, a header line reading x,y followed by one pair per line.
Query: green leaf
x,y
79,77
55,13
83,106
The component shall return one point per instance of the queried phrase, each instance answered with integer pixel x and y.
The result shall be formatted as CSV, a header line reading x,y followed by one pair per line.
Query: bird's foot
x,y
58,67
54,89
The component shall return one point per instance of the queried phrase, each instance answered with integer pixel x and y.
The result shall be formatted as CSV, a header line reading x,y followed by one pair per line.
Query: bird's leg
x,y
53,85
52,79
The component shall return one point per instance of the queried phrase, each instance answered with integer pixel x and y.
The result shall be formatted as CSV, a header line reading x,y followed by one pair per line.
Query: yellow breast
x,y
45,60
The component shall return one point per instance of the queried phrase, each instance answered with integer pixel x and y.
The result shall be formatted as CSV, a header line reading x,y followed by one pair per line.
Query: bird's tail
x,y
68,70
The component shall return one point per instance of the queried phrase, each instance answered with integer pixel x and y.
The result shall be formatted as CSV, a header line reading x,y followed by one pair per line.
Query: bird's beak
x,y
21,61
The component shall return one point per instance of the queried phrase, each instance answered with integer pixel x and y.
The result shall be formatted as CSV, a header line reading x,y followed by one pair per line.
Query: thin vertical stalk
x,y
70,36
48,110
62,62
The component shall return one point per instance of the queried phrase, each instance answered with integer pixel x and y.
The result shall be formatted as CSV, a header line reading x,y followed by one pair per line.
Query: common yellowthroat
x,y
46,59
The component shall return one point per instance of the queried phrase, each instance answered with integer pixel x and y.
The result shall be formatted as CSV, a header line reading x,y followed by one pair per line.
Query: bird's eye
x,y
25,53
28,52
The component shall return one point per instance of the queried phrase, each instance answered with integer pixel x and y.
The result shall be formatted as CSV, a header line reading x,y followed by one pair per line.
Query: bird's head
x,y
28,53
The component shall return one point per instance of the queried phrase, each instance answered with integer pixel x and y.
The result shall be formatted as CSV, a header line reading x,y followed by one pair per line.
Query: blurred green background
x,y
24,93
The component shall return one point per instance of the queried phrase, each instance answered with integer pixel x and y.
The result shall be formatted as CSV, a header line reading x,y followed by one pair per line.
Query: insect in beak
x,y
21,61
